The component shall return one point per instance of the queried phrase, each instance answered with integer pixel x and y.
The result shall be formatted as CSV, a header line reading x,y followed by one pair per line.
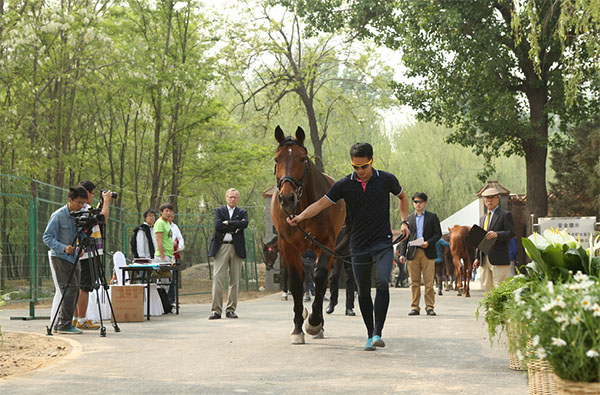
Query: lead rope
x,y
332,253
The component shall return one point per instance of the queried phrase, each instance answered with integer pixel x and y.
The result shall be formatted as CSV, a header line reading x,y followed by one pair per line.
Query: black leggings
x,y
362,273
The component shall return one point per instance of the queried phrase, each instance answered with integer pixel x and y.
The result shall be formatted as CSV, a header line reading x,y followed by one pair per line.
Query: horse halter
x,y
298,184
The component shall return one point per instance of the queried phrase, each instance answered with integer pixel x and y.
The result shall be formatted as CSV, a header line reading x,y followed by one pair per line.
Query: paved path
x,y
447,354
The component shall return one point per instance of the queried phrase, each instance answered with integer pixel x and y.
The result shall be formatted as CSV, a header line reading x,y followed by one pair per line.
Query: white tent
x,y
467,216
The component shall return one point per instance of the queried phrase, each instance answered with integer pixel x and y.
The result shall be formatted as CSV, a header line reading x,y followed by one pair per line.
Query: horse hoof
x,y
319,335
298,338
304,313
313,330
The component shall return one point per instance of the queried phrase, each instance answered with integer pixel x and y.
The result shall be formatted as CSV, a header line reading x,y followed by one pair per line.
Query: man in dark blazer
x,y
499,224
423,225
228,247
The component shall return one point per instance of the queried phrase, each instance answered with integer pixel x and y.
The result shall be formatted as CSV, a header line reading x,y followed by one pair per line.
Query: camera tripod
x,y
97,278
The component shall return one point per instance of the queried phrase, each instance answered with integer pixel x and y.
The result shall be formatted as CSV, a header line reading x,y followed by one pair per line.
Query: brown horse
x,y
460,249
448,265
299,184
271,252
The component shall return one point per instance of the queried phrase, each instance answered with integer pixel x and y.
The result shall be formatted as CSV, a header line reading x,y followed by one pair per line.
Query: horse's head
x,y
270,252
291,169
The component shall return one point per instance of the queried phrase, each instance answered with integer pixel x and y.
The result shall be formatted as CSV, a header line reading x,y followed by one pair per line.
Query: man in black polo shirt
x,y
367,195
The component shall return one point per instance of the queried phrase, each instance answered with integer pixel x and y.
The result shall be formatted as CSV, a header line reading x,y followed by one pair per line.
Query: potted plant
x,y
557,313
495,307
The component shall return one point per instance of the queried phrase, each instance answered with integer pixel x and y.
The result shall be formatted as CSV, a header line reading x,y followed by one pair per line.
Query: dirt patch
x,y
22,352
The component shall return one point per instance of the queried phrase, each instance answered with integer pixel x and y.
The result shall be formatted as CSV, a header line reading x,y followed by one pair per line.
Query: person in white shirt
x,y
178,245
145,240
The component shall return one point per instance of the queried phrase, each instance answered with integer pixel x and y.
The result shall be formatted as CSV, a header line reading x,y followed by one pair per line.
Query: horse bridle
x,y
298,184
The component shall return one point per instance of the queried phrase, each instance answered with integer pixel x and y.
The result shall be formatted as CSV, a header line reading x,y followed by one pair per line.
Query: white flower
x,y
580,276
558,342
576,319
561,319
539,241
596,309
528,314
592,354
553,238
536,340
517,294
586,302
541,353
520,355
550,287
548,306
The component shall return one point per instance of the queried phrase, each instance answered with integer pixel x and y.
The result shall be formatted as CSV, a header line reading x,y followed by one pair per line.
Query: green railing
x,y
26,206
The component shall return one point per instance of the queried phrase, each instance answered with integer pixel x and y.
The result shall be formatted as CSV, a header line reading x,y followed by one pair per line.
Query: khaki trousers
x,y
421,264
226,260
492,275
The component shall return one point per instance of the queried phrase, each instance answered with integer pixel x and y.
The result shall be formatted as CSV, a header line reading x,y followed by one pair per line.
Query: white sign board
x,y
578,227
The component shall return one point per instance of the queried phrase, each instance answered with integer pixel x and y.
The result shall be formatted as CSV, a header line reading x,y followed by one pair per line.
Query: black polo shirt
x,y
368,209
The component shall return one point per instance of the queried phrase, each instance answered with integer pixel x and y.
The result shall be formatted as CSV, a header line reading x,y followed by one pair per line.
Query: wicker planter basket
x,y
514,363
541,377
576,387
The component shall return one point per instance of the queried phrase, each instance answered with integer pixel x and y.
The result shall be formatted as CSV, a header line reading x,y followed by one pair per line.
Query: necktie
x,y
487,221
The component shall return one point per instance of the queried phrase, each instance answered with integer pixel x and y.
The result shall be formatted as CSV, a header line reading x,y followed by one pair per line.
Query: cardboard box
x,y
128,302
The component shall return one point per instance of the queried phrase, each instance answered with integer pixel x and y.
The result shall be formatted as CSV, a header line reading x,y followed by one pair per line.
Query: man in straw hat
x,y
499,224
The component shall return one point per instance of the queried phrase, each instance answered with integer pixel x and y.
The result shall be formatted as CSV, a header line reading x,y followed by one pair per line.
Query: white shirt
x,y
229,236
177,236
143,249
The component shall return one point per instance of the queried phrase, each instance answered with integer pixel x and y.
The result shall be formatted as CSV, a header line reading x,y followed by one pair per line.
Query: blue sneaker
x,y
369,346
377,342
70,330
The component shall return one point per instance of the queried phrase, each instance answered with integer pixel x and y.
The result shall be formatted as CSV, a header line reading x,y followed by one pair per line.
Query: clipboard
x,y
476,237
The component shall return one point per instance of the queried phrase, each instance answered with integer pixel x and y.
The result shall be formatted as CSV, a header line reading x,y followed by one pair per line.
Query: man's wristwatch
x,y
404,222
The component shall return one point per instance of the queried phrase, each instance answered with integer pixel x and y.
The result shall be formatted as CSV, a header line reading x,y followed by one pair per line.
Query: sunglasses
x,y
418,201
363,166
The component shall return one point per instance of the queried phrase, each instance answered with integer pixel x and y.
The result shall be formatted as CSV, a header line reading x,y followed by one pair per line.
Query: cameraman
x,y
59,236
87,279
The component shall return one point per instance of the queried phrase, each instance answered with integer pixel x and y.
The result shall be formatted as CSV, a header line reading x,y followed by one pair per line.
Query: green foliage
x,y
469,67
557,255
559,323
577,168
495,304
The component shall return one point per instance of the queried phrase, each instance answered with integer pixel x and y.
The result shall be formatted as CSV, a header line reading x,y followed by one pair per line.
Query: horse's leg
x,y
469,270
457,272
297,289
314,325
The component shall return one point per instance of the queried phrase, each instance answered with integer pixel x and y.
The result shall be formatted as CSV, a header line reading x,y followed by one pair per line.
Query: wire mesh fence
x,y
25,208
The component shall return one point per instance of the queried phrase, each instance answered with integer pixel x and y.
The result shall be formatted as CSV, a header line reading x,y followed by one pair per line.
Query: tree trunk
x,y
536,152
314,131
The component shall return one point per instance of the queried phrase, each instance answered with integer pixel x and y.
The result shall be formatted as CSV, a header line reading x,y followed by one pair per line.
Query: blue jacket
x,y
60,233
439,248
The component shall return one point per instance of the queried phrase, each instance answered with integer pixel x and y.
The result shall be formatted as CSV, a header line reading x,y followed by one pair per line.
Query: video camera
x,y
114,194
88,219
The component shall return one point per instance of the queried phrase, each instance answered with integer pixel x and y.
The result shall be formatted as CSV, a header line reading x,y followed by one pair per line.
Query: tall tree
x,y
577,173
278,60
469,66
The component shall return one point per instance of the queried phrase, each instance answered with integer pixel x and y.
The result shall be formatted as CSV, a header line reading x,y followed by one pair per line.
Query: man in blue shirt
x,y
59,236
425,232
367,195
